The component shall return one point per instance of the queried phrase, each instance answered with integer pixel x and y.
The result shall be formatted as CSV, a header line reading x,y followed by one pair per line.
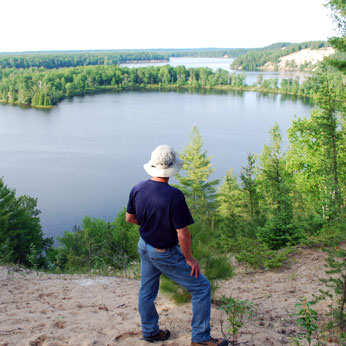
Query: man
x,y
163,216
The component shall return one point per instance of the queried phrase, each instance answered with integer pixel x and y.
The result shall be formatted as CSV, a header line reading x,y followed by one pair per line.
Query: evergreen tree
x,y
276,199
200,195
230,206
249,184
199,191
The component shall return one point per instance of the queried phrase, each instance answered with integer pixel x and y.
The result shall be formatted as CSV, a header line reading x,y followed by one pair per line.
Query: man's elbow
x,y
129,218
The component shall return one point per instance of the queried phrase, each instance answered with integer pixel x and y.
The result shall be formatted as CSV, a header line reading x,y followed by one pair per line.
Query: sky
x,y
36,25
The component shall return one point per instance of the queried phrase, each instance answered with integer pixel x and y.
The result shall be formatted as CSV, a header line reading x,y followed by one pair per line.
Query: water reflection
x,y
308,101
82,157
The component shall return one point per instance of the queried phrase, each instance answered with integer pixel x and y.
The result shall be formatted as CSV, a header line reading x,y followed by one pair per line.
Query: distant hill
x,y
268,58
58,59
284,56
305,59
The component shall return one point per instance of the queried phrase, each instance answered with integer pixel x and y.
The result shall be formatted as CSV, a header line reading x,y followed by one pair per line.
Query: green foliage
x,y
327,234
6,252
254,253
44,88
317,149
335,283
40,87
230,201
32,256
21,235
278,233
275,188
342,339
237,204
306,319
97,245
236,311
200,193
338,8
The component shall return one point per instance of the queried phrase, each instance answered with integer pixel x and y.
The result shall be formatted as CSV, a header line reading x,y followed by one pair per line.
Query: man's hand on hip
x,y
195,268
185,242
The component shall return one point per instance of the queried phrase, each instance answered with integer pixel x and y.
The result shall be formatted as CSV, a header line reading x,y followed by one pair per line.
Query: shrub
x,y
254,253
237,311
335,283
21,236
97,245
276,233
330,234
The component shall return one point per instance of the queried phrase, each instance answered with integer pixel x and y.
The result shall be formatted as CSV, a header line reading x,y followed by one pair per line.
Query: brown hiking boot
x,y
211,342
160,336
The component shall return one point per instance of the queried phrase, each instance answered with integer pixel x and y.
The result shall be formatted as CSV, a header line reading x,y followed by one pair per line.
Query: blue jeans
x,y
172,264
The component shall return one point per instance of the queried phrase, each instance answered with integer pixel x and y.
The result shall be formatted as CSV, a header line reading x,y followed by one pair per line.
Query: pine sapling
x,y
237,311
307,319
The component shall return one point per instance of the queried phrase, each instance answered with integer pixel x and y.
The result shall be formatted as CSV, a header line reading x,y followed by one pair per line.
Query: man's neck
x,y
160,180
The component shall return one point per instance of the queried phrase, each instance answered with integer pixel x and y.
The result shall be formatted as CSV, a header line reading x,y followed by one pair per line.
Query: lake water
x,y
83,157
223,63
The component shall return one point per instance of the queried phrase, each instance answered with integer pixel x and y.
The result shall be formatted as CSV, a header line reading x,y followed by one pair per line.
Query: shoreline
x,y
171,87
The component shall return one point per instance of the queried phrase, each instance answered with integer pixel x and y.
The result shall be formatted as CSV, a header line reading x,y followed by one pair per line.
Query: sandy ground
x,y
76,310
309,55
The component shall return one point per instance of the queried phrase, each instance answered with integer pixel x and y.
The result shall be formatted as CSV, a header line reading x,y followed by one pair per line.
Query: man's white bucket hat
x,y
164,162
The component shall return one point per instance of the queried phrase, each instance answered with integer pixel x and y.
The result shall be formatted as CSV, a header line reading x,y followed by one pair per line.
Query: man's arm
x,y
185,242
131,218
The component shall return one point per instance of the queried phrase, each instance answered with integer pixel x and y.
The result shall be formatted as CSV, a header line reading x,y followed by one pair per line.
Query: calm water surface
x,y
82,157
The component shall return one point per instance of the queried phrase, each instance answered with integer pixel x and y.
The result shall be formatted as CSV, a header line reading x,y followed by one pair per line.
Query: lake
x,y
82,157
223,63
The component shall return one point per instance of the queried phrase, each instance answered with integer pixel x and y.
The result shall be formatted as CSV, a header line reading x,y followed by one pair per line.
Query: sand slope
x,y
307,55
77,310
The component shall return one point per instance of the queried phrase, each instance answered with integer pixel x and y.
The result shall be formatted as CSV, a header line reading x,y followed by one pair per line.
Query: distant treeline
x,y
245,58
39,87
51,60
257,58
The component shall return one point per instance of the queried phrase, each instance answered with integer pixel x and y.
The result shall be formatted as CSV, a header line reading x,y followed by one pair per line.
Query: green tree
x,y
200,195
98,244
338,8
259,79
20,229
199,191
316,152
249,185
276,200
230,206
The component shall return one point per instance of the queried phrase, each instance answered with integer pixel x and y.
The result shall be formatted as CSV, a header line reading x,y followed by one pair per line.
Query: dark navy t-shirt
x,y
160,210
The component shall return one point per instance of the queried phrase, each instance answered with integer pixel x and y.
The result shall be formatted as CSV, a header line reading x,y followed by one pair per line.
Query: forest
x,y
45,88
57,60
